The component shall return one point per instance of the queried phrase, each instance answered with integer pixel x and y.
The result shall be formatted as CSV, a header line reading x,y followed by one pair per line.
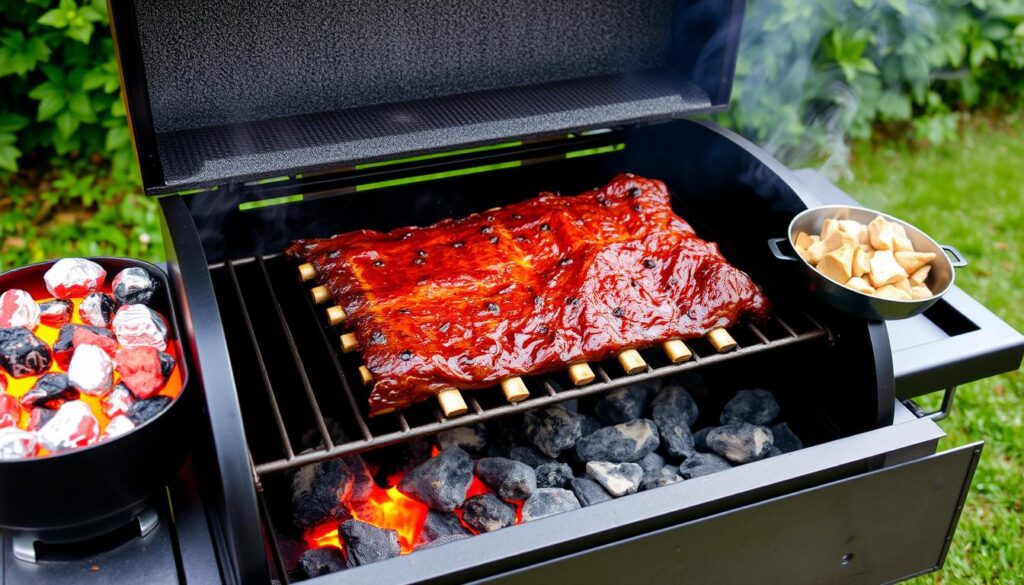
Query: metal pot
x,y
86,492
940,279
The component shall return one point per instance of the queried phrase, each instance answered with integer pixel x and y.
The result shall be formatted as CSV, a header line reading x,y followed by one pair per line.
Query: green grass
x,y
971,194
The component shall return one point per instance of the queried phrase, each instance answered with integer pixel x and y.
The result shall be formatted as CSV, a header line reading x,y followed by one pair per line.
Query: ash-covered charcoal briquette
x,y
91,370
366,543
142,410
320,492
620,443
441,482
552,430
38,417
56,312
671,418
134,286
700,440
548,502
618,479
676,402
118,426
319,561
64,347
18,309
16,444
50,391
588,492
438,525
86,335
757,407
785,439
667,475
624,404
529,455
702,464
511,479
136,325
553,475
140,370
97,309
22,353
741,442
73,426
74,277
471,439
487,513
10,410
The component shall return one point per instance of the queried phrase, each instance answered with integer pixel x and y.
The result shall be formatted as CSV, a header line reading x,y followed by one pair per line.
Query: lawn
x,y
971,194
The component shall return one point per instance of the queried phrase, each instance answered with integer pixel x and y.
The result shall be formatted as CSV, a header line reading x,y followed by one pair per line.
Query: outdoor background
x,y
914,108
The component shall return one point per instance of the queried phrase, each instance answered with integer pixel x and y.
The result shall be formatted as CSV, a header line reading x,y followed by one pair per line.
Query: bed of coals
x,y
481,478
82,363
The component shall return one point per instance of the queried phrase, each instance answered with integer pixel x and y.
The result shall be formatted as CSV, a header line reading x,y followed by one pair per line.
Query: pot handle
x,y
773,244
956,258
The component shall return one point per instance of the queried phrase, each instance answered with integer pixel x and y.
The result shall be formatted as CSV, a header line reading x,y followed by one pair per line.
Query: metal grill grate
x,y
292,375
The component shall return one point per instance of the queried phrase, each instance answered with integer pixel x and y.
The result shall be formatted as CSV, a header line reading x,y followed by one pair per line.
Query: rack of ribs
x,y
528,288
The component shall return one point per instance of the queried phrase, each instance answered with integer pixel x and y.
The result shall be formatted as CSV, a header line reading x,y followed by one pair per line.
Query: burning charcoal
x,y
136,325
471,439
73,426
23,354
399,459
140,370
91,370
55,313
438,525
167,364
757,407
320,493
552,430
38,417
623,405
702,464
487,513
118,426
511,479
18,309
97,309
785,439
548,502
117,401
553,475
618,479
741,442
10,410
321,561
64,347
676,403
50,390
620,443
588,492
443,541
134,286
88,336
440,482
362,479
142,410
667,475
73,277
365,543
3,382
700,440
529,456
16,444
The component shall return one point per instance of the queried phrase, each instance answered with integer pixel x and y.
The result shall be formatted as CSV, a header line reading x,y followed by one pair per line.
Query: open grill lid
x,y
222,92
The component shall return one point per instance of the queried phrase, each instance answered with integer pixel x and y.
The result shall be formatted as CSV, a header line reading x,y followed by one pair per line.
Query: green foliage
x,y
814,73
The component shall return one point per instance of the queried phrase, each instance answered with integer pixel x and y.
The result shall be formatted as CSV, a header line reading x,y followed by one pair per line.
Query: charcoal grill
x,y
259,124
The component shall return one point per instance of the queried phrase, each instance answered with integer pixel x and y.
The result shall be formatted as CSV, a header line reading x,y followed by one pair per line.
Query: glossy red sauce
x,y
526,289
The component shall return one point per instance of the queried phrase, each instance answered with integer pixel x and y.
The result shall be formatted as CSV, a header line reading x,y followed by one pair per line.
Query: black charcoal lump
x,y
700,440
440,482
50,390
667,475
757,407
487,513
471,439
702,464
741,442
438,525
319,491
620,443
785,439
142,410
321,561
22,353
552,430
547,502
366,543
588,491
528,455
134,286
511,479
674,400
553,475
623,405
618,479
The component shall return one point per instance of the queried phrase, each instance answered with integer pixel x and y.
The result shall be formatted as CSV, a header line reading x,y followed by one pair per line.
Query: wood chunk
x,y
856,230
860,285
803,253
902,243
892,293
803,240
828,227
861,262
913,261
880,231
921,274
838,264
884,269
903,284
920,291
835,240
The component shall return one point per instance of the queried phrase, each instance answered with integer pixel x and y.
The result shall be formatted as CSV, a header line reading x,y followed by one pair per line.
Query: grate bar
x,y
320,424
271,397
758,333
404,424
603,374
782,322
475,405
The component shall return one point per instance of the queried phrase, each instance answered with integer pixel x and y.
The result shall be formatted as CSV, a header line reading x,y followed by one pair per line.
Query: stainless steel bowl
x,y
863,305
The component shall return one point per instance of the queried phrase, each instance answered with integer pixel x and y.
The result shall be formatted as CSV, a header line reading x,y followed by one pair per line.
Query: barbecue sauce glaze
x,y
526,289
